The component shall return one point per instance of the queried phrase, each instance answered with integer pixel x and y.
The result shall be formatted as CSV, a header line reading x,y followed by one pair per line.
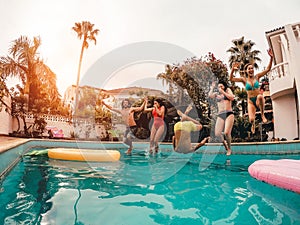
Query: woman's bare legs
x,y
251,113
204,140
227,132
158,137
155,138
188,109
152,135
227,127
260,102
220,123
185,117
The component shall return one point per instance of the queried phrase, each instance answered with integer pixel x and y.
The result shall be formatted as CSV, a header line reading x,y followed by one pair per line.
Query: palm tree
x,y
38,93
166,80
25,63
242,52
22,62
242,96
86,31
4,92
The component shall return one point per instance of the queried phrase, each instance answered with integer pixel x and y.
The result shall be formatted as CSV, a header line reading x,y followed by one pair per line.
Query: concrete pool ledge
x,y
275,147
7,142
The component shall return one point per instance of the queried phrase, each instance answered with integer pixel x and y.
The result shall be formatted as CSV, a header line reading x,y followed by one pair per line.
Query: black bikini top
x,y
221,98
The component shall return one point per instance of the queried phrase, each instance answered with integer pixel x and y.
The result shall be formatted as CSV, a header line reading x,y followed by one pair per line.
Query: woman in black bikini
x,y
225,118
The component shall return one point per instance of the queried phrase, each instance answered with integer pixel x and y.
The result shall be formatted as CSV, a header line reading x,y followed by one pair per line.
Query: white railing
x,y
278,71
53,118
81,127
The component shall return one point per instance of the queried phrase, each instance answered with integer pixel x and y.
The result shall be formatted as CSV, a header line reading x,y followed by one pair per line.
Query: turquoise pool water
x,y
164,189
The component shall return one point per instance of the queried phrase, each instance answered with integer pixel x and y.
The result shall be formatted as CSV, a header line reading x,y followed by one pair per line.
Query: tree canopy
x,y
38,80
242,52
191,81
37,93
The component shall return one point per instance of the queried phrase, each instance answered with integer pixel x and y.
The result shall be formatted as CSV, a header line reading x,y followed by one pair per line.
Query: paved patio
x,y
7,142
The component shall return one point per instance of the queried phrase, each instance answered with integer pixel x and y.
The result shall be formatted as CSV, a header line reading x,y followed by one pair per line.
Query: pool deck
x,y
7,142
292,146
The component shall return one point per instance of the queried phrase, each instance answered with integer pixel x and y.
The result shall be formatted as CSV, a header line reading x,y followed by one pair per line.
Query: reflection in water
x,y
281,204
260,219
150,171
75,206
25,195
59,192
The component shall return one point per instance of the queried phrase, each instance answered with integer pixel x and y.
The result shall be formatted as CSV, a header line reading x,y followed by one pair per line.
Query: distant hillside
x,y
135,90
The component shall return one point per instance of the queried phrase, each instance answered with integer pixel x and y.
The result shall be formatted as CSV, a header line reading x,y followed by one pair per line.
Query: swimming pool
x,y
165,189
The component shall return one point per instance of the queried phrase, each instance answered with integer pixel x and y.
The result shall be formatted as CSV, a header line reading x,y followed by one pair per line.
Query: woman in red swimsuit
x,y
157,130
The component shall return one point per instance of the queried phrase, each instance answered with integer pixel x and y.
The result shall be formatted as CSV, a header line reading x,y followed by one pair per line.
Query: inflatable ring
x,y
283,173
76,154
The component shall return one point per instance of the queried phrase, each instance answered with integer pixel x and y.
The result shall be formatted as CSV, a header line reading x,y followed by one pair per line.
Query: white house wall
x,y
284,80
294,52
281,86
285,115
5,123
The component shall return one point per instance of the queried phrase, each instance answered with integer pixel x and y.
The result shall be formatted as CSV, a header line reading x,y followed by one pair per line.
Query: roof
x,y
276,29
280,29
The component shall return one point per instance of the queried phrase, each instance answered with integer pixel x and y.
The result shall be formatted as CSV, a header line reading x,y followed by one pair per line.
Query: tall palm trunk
x,y
84,30
78,75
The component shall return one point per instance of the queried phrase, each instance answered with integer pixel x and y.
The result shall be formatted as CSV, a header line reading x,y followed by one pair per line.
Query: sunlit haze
x,y
195,25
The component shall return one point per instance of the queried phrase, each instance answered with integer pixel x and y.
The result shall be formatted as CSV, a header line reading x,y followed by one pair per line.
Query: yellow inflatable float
x,y
76,154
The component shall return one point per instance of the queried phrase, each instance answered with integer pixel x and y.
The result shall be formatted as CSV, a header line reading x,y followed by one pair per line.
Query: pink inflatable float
x,y
283,173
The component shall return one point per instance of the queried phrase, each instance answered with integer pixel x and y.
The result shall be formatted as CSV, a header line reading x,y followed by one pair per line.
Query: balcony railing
x,y
278,71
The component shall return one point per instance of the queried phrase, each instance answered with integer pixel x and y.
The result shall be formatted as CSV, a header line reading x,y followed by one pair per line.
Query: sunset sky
x,y
194,26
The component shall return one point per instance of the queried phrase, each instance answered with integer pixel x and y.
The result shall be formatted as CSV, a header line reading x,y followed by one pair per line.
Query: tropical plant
x,y
102,114
19,107
39,82
39,126
87,102
4,93
85,31
165,77
241,95
19,110
202,71
240,130
187,79
191,81
243,53
37,93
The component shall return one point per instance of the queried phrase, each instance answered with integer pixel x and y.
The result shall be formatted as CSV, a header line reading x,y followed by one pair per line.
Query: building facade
x,y
284,79
83,128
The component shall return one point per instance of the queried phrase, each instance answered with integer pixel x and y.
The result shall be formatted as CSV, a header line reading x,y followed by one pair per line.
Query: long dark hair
x,y
224,84
161,103
126,100
245,68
